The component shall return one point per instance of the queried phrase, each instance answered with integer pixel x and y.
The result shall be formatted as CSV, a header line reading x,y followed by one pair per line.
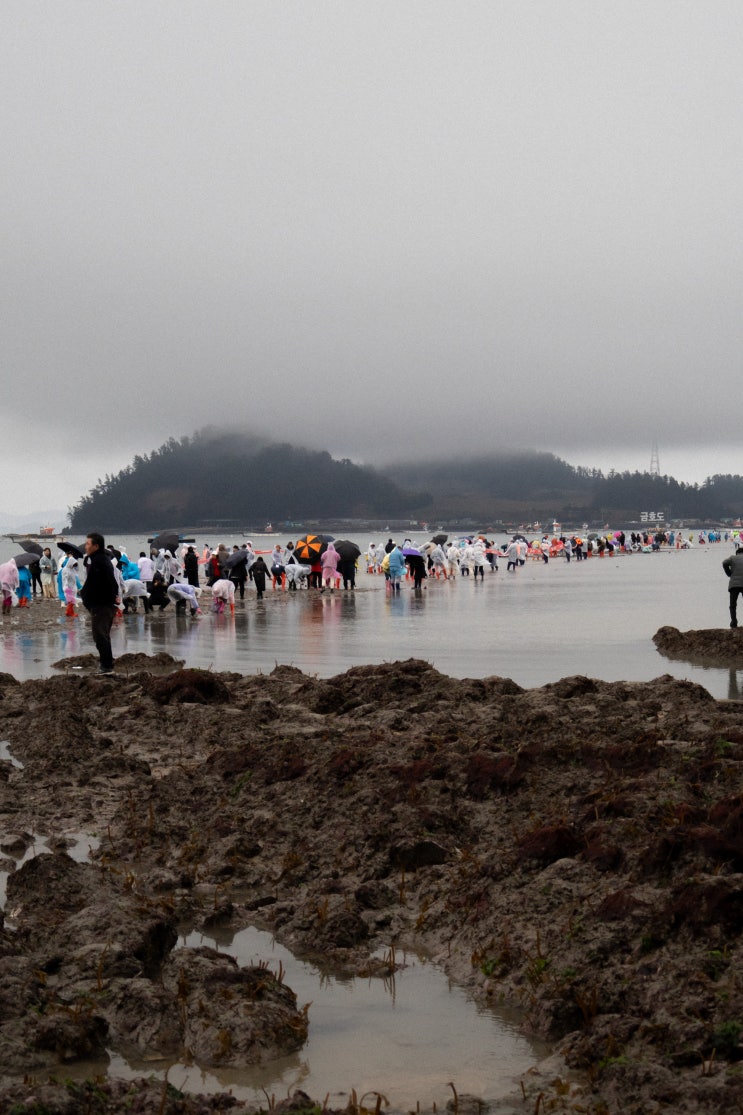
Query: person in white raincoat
x,y
466,560
478,558
185,594
223,592
135,590
438,560
513,555
70,585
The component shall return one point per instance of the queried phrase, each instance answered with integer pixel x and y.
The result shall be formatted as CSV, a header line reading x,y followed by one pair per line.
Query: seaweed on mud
x,y
492,772
195,686
601,851
619,905
346,762
704,905
548,843
285,766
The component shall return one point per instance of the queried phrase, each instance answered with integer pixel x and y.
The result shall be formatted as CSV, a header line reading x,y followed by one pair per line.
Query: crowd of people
x,y
160,577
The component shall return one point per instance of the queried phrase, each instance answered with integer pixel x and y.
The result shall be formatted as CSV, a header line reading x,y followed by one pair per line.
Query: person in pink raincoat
x,y
330,573
9,581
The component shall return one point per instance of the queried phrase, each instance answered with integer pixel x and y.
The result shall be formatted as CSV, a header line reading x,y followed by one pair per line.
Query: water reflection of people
x,y
734,693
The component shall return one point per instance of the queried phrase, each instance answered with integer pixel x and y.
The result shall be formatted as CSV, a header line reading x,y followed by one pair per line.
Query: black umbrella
x,y
168,540
349,551
440,539
70,548
30,546
235,558
25,559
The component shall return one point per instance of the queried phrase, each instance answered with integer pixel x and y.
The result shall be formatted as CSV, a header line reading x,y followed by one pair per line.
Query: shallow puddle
x,y
77,845
406,1037
6,757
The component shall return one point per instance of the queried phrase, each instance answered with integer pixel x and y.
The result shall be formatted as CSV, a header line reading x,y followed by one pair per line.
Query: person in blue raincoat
x,y
397,568
129,569
23,592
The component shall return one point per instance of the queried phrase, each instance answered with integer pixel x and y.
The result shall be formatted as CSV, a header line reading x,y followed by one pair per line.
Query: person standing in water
x,y
100,595
733,566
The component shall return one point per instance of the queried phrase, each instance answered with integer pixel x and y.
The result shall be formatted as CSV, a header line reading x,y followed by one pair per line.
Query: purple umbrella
x,y
410,551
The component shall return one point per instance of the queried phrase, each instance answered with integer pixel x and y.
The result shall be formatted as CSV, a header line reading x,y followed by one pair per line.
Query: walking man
x,y
100,595
733,566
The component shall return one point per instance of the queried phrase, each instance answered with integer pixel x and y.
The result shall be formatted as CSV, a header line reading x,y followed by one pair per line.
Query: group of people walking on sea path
x,y
108,582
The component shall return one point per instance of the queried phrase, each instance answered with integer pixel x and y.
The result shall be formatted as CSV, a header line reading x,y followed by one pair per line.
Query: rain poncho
x,y
222,589
134,589
294,572
8,579
478,553
70,581
187,594
329,561
171,567
24,583
396,563
129,569
438,557
467,558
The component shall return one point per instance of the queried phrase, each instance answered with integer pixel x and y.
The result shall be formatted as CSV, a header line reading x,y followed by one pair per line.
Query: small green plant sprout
x,y
726,1040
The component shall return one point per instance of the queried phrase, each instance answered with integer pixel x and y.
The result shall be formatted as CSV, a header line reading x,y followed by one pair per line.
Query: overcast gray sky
x,y
380,228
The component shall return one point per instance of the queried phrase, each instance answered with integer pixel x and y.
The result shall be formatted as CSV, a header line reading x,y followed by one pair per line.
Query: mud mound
x,y
713,646
154,663
195,686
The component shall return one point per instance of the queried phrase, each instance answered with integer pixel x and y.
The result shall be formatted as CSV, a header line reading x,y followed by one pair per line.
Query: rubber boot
x,y
70,611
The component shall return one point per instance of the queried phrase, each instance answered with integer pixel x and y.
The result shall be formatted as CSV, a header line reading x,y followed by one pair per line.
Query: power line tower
x,y
654,462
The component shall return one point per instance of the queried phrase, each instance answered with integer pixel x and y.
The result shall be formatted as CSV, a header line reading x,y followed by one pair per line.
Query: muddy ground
x,y
575,849
713,646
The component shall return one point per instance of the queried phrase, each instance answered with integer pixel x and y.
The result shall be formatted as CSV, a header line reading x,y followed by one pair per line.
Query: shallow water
x,y
544,622
406,1038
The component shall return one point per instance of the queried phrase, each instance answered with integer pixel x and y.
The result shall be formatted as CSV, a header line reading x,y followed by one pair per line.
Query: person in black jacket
x,y
100,595
191,567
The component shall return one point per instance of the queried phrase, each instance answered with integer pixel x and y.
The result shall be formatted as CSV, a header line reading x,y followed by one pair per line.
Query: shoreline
x,y
576,850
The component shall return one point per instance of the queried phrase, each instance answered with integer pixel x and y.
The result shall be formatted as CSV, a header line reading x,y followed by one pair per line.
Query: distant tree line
x,y
217,475
543,483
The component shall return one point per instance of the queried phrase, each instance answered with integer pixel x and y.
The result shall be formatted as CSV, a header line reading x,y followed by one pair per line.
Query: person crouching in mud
x,y
100,595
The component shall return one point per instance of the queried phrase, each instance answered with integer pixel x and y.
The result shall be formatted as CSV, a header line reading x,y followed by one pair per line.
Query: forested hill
x,y
232,477
524,486
217,477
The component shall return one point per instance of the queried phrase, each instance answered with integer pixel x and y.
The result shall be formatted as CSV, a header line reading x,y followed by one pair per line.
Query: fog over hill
x,y
219,476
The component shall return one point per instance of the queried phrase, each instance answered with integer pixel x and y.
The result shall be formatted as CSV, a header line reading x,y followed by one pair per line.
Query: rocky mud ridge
x,y
712,646
575,849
